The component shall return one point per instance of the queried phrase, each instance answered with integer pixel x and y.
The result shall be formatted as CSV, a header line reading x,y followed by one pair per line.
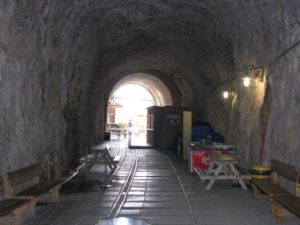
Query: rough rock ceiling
x,y
183,39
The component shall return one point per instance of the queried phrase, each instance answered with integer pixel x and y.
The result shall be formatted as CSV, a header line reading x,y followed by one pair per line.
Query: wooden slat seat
x,y
39,189
290,202
265,188
284,205
268,187
9,205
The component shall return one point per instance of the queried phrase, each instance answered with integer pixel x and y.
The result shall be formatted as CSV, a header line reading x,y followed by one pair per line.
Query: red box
x,y
200,158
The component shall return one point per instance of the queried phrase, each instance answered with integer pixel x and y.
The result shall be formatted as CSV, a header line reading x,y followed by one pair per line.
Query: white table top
x,y
101,147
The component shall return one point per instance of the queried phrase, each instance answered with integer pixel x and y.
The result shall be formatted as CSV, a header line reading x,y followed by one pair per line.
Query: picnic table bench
x,y
284,204
101,153
222,167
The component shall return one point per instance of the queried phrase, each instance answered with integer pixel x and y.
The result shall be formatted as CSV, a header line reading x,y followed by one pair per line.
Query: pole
x,y
86,165
48,167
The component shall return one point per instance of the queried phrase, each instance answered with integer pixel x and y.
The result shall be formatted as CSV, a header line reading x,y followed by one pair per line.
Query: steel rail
x,y
187,199
122,196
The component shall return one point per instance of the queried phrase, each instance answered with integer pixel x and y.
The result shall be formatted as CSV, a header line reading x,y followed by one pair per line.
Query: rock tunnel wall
x,y
43,84
263,118
60,59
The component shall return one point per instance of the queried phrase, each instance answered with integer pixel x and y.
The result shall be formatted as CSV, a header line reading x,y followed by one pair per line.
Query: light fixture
x,y
260,73
246,81
225,94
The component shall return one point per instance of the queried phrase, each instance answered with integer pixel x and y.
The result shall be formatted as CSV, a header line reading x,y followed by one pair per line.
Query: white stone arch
x,y
159,91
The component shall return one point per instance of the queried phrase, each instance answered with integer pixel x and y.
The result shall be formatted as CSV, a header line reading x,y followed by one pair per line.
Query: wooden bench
x,y
26,183
11,210
284,204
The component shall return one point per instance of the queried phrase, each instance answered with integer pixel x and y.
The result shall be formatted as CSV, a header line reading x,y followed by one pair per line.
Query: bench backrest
x,y
285,170
21,179
281,169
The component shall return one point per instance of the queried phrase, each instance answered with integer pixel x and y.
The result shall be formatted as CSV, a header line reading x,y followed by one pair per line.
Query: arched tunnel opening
x,y
156,88
61,61
128,102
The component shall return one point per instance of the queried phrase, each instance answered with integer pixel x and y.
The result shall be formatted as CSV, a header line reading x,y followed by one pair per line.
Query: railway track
x,y
121,198
152,185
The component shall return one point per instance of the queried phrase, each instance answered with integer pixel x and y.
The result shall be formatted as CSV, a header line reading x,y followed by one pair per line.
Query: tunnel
x,y
61,60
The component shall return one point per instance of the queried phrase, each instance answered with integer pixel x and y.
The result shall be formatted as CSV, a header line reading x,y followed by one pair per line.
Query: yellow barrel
x,y
260,172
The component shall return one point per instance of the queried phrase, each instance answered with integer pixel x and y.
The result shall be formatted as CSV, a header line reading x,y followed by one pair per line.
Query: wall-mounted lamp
x,y
260,73
225,94
246,81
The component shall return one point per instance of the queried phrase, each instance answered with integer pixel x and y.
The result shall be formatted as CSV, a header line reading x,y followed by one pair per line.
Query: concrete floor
x,y
159,189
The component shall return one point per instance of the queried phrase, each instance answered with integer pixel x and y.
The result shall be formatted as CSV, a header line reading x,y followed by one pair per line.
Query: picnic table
x,y
222,167
117,131
101,153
